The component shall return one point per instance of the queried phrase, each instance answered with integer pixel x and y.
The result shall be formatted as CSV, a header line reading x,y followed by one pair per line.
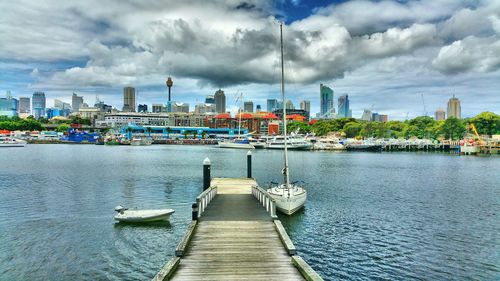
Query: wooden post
x,y
206,173
195,212
249,164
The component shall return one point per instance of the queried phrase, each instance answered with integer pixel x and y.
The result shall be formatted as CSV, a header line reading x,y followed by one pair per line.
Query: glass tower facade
x,y
326,101
38,104
344,110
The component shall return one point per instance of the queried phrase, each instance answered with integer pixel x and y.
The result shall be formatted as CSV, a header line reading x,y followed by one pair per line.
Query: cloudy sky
x,y
384,54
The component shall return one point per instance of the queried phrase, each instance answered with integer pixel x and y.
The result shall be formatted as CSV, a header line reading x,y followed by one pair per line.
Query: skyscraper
x,y
38,104
248,106
440,114
9,106
272,104
129,99
24,105
454,109
326,101
76,102
142,108
289,105
305,105
180,107
220,101
343,104
258,108
367,115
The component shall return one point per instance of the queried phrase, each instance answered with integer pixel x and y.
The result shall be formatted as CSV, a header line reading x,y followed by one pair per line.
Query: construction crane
x,y
475,133
423,102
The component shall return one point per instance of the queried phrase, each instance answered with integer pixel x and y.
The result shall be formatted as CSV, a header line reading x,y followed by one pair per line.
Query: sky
x,y
401,58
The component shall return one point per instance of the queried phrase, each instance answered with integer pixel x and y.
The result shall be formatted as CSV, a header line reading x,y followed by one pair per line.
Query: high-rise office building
x,y
180,107
454,109
326,101
203,108
9,106
248,106
258,108
210,99
305,105
24,105
289,105
343,104
272,104
279,105
38,104
158,108
367,115
142,108
129,99
220,101
440,114
76,102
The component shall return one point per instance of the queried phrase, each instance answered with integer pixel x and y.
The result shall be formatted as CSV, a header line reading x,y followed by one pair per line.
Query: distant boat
x,y
126,215
11,142
292,142
236,143
141,141
289,197
329,144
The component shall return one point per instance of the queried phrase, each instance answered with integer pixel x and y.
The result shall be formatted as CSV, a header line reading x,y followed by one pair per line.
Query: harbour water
x,y
394,216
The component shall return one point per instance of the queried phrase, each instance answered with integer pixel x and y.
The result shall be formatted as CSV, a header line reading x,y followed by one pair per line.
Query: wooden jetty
x,y
235,235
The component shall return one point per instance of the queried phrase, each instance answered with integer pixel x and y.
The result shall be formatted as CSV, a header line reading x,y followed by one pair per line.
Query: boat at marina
x,y
236,143
289,197
126,215
141,141
11,142
328,144
363,145
293,142
257,143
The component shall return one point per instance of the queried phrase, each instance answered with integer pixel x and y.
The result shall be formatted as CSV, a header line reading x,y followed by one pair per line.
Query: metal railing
x,y
204,199
265,199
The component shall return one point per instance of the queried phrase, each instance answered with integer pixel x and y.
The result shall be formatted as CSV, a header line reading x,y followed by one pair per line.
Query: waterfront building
x,y
210,99
258,108
93,113
293,114
203,108
289,105
180,107
367,115
38,104
76,102
9,106
152,119
326,101
128,99
272,105
440,114
343,104
220,101
24,105
158,108
248,106
454,109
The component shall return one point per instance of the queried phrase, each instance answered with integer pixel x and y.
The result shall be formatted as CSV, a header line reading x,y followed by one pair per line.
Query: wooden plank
x,y
304,268
167,270
181,247
287,242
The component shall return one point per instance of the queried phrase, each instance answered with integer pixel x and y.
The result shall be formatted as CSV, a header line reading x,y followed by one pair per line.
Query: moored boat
x,y
11,142
126,215
236,143
293,142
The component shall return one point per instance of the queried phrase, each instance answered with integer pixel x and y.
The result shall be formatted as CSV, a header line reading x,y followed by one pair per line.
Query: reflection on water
x,y
368,215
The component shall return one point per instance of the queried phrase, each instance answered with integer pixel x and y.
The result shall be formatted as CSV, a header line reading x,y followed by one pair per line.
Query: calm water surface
x,y
393,216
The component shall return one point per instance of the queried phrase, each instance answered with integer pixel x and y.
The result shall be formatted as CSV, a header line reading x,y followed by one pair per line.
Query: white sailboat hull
x,y
288,204
236,145
144,215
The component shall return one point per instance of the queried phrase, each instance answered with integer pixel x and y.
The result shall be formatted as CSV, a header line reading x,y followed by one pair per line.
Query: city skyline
x,y
439,49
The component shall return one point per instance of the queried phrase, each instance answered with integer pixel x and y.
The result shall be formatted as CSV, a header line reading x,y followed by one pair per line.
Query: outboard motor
x,y
120,209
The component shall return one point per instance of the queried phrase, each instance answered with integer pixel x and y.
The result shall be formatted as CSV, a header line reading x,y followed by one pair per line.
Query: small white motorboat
x,y
126,215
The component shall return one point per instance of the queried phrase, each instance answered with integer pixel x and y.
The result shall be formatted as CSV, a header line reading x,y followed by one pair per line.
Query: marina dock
x,y
235,235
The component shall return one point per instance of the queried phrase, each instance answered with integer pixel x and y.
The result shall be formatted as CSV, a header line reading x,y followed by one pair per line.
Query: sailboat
x,y
289,197
238,142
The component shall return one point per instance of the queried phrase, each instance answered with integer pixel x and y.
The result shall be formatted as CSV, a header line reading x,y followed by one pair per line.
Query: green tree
x,y
62,128
301,127
149,130
453,128
487,123
352,129
419,126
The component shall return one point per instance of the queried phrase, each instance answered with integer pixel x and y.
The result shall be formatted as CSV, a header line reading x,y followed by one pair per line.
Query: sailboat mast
x,y
286,178
239,112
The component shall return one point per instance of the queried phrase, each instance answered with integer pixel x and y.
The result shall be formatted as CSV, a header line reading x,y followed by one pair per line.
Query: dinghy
x,y
126,215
